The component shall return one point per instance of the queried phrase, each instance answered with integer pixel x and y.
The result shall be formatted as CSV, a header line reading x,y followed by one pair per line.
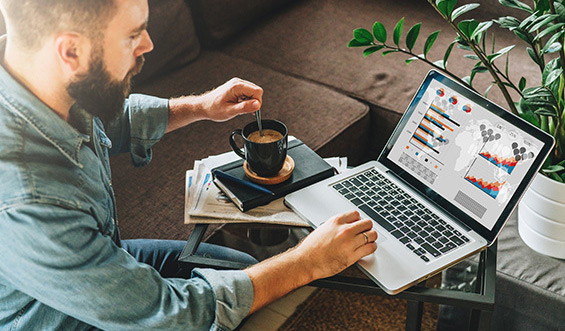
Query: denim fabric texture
x,y
61,263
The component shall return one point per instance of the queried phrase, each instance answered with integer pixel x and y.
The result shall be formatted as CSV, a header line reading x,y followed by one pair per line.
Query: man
x,y
66,70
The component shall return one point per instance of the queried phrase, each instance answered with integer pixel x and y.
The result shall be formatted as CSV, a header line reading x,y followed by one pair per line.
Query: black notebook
x,y
309,168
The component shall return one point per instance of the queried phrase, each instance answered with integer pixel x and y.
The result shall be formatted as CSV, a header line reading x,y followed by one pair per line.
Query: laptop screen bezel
x,y
546,139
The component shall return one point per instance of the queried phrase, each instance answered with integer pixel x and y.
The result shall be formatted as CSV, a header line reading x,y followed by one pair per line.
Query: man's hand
x,y
235,97
337,244
329,249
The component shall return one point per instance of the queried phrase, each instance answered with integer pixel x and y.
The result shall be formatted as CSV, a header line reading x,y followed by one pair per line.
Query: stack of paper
x,y
205,203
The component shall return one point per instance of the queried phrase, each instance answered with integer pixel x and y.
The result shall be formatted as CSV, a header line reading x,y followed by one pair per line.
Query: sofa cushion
x,y
310,41
528,283
221,19
172,30
317,115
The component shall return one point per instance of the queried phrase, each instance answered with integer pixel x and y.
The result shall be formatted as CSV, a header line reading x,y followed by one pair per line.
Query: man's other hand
x,y
337,244
329,249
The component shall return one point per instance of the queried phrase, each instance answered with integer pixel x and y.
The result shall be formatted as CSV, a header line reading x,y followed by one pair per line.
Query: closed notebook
x,y
309,168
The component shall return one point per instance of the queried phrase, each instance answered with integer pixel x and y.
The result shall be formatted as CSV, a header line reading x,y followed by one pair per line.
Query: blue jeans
x,y
163,255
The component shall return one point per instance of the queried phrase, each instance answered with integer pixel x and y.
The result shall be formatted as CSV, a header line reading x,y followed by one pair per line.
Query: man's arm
x,y
328,250
233,98
59,257
146,119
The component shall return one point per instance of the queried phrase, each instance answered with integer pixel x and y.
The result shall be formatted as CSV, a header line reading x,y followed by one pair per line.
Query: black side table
x,y
480,302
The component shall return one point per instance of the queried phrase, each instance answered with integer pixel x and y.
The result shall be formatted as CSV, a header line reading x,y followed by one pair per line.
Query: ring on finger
x,y
366,237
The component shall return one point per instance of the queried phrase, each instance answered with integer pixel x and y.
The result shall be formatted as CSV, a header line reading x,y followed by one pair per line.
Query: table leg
x,y
415,310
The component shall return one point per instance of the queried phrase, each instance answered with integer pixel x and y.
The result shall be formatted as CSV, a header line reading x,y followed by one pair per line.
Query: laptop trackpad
x,y
381,237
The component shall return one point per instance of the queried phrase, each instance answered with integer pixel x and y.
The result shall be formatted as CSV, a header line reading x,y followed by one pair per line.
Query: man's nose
x,y
146,44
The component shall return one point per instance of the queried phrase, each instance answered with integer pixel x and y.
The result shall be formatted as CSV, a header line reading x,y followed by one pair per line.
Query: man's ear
x,y
73,51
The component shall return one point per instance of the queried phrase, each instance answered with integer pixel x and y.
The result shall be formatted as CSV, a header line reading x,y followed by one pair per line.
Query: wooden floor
x,y
274,315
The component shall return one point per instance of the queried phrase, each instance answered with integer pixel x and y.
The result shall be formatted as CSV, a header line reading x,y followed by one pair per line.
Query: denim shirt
x,y
61,267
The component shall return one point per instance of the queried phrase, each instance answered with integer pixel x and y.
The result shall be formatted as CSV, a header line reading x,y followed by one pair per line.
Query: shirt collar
x,y
43,119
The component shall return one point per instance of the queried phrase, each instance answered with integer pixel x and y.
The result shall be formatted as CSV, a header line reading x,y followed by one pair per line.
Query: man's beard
x,y
99,94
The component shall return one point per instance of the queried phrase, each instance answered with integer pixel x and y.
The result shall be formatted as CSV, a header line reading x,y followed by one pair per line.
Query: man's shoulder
x,y
26,161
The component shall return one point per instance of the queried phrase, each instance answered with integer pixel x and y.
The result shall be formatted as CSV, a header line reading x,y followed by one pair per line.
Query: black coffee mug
x,y
265,159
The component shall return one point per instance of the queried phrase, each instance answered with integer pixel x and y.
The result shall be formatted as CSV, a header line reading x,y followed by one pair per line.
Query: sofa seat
x,y
321,117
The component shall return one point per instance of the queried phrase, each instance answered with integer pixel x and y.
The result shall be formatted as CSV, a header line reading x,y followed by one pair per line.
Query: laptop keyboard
x,y
417,227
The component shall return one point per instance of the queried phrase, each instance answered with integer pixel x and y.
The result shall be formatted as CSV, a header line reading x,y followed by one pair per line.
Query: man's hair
x,y
30,21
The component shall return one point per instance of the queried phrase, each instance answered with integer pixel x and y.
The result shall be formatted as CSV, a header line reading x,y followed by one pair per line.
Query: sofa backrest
x,y
218,20
174,36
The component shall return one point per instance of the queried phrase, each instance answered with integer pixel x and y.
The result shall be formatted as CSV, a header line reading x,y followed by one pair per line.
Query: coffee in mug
x,y
265,154
268,136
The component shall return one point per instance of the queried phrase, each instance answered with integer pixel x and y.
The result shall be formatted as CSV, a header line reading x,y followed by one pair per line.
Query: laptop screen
x,y
465,150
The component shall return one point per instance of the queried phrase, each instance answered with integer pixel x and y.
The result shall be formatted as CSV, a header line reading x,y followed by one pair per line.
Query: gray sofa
x,y
330,97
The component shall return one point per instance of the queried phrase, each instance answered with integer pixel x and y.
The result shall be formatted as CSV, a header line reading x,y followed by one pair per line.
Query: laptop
x,y
443,187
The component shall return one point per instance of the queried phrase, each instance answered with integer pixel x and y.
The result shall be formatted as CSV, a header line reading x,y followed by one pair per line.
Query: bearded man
x,y
66,68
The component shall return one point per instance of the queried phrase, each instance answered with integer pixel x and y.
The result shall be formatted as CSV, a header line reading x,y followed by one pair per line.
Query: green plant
x,y
543,31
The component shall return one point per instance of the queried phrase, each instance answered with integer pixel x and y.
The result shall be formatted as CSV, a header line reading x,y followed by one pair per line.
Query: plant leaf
x,y
516,4
363,36
533,55
528,21
429,42
440,64
536,92
549,30
530,117
560,10
418,57
355,43
482,27
398,31
556,177
467,27
545,112
527,37
508,22
479,69
412,36
448,53
391,51
538,102
371,50
549,67
446,7
463,9
380,32
471,57
543,22
555,74
551,41
553,168
467,79
542,6
522,84
488,89
498,54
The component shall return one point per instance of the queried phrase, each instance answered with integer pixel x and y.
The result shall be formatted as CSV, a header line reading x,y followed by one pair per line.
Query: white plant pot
x,y
541,217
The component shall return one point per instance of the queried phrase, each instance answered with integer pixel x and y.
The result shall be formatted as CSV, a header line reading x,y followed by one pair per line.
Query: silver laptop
x,y
446,182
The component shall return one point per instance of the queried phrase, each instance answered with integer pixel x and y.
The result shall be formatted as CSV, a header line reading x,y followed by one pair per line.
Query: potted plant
x,y
542,211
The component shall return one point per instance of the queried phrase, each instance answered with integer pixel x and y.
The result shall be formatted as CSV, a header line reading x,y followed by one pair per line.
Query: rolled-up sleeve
x,y
141,125
58,257
233,293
